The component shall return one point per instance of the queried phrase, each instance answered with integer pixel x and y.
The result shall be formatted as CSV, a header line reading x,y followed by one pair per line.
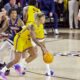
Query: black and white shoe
x,y
7,71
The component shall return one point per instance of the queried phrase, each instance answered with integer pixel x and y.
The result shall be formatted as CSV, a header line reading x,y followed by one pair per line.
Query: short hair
x,y
38,15
12,9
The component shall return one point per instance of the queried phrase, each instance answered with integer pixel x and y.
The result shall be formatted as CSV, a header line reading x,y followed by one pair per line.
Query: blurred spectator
x,y
27,1
13,23
73,11
1,4
22,2
48,7
3,17
5,1
10,4
59,7
20,10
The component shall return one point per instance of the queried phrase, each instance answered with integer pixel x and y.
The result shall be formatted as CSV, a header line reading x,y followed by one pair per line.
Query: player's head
x,y
32,2
40,17
13,13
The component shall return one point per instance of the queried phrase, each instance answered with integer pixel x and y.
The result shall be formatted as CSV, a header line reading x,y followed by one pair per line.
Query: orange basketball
x,y
48,58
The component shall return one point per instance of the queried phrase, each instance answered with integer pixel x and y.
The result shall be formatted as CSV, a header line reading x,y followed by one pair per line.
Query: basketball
x,y
48,58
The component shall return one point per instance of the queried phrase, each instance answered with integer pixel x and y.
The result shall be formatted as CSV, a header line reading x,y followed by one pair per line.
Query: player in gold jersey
x,y
22,42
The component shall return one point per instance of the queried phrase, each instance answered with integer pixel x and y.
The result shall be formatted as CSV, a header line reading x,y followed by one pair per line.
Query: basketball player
x,y
30,11
22,42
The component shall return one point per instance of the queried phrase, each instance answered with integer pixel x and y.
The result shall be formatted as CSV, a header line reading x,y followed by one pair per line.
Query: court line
x,y
41,73
50,76
36,73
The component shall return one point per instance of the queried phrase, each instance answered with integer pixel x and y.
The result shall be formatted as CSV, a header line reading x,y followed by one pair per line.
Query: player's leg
x,y
16,60
23,62
5,45
32,55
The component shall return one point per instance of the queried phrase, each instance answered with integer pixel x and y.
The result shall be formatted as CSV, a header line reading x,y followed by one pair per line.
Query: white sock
x,y
23,63
4,69
48,68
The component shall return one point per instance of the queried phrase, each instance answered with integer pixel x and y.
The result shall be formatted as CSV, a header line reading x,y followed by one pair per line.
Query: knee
x,y
34,55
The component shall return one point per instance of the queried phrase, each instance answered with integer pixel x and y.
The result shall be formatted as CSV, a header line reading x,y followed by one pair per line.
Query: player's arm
x,y
4,27
25,14
32,33
20,23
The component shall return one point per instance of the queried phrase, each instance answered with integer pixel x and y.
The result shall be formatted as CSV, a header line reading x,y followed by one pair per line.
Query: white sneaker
x,y
50,74
19,69
56,31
